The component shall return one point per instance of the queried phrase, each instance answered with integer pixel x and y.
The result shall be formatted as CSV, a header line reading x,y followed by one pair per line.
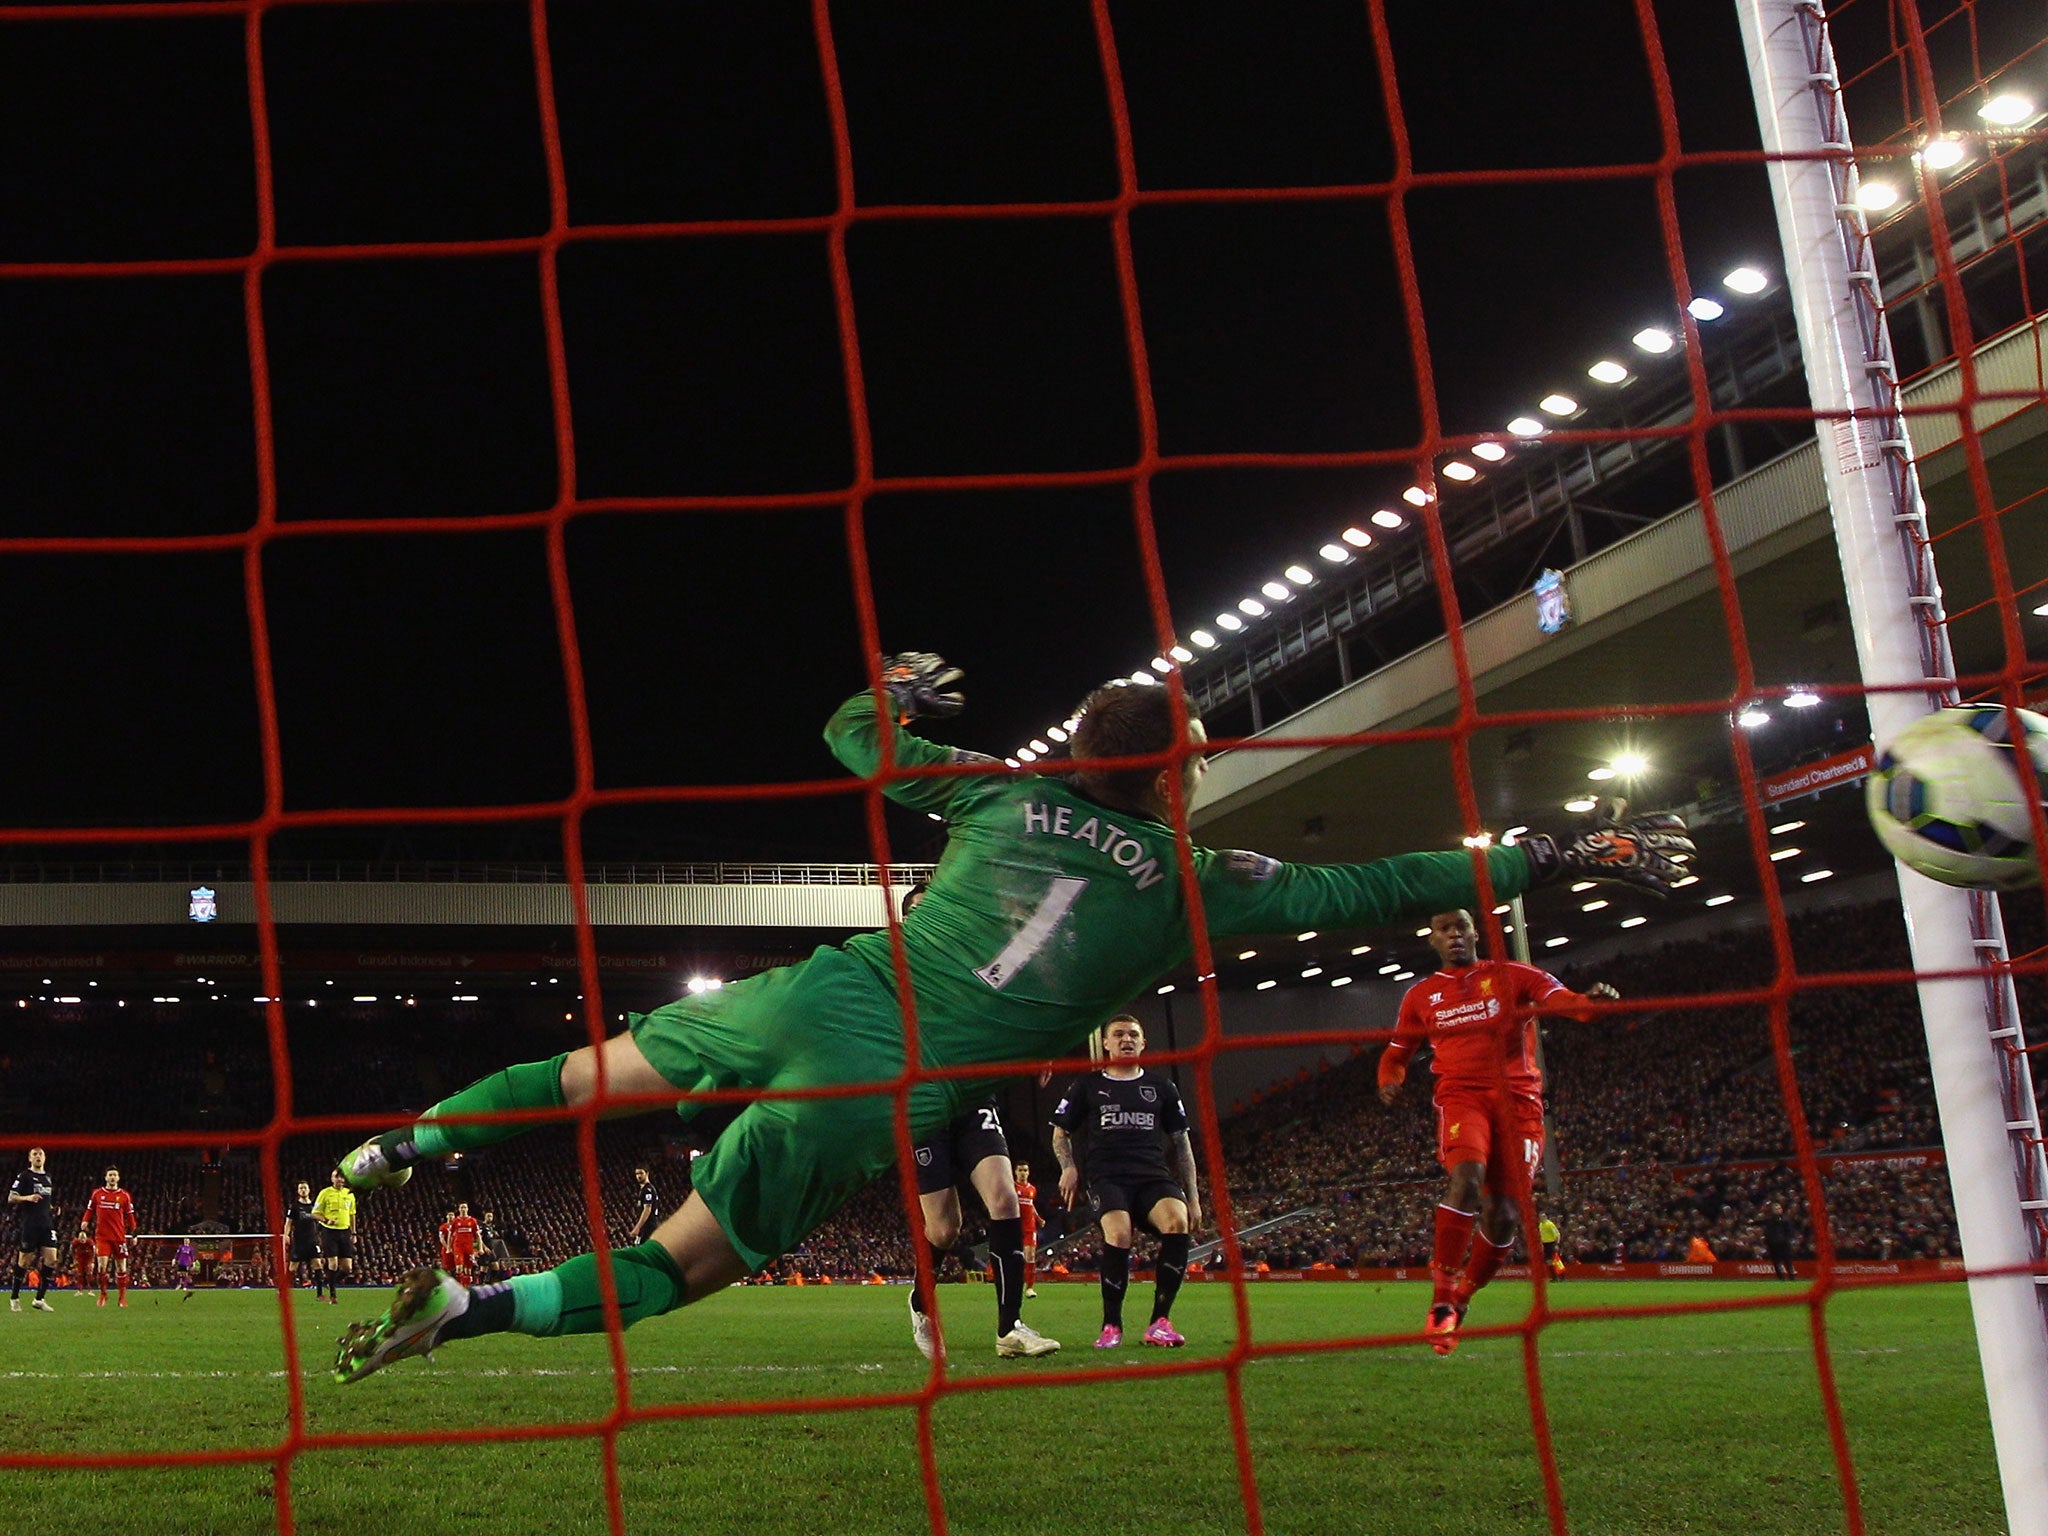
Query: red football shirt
x,y
112,1212
462,1234
1480,1022
1027,1202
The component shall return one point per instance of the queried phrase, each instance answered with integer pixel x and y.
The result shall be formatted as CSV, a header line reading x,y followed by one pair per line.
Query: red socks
x,y
1453,1238
1030,1275
123,1290
1485,1259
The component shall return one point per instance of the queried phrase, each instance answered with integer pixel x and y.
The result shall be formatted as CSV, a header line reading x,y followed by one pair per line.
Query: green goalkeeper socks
x,y
567,1299
531,1085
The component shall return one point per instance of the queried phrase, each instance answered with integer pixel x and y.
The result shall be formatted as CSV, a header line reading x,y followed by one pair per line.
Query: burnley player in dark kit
x,y
32,1198
1139,1168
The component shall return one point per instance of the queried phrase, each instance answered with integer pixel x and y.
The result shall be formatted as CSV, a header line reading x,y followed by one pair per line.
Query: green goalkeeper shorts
x,y
785,1165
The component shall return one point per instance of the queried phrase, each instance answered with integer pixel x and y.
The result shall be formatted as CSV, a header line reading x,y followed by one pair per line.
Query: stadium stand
x,y
1669,1125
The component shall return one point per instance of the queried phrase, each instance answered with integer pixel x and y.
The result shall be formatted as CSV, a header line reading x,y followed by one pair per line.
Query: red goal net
x,y
1964,248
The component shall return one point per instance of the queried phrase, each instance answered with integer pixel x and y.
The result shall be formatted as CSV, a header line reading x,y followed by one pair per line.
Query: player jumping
x,y
1478,1017
32,1197
111,1213
1058,901
1130,1118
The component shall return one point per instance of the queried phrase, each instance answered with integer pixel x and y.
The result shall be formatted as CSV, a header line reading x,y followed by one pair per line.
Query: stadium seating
x,y
1668,1124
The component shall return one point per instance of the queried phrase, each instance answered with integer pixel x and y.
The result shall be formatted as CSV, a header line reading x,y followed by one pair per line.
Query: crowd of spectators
x,y
1669,1124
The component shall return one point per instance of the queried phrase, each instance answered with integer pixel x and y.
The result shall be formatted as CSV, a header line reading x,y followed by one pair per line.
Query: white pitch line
x,y
864,1368
859,1368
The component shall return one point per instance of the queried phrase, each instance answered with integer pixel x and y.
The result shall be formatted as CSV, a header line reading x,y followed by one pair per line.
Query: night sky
x,y
423,669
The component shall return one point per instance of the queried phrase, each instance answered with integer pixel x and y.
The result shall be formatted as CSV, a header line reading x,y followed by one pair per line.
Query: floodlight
x,y
1415,496
1493,453
1942,154
1876,196
1300,575
1229,621
1204,639
1252,607
2007,110
1276,591
1746,280
1458,469
1607,371
1654,339
1751,718
1529,426
1336,554
1558,405
1386,519
1705,309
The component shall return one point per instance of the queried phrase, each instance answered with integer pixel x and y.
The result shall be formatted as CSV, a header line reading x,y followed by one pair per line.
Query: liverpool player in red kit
x,y
461,1241
1479,1017
111,1214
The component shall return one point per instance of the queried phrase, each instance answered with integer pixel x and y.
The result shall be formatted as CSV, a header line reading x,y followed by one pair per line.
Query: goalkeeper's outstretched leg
x,y
560,1082
688,1258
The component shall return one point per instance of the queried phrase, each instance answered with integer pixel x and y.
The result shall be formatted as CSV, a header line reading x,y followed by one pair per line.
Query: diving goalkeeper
x,y
1058,900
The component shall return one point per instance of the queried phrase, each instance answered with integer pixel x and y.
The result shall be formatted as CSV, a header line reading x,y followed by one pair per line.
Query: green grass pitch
x,y
1707,1423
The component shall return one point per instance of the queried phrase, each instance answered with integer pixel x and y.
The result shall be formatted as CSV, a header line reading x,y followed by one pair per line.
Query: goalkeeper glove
x,y
919,683
1635,850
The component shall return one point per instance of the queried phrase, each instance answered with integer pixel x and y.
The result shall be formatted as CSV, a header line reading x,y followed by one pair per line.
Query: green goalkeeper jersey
x,y
1050,912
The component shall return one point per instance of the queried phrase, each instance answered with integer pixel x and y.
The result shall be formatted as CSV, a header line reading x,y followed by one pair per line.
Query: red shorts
x,y
1030,1234
1504,1133
463,1256
110,1248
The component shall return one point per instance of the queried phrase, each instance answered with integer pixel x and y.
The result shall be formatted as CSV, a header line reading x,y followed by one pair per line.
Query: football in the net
x,y
1948,797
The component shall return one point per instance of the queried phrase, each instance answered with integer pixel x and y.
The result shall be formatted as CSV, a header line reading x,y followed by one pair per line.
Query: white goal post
x,y
1879,523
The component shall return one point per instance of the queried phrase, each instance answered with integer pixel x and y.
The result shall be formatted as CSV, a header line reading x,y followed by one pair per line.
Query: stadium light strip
x,y
1656,340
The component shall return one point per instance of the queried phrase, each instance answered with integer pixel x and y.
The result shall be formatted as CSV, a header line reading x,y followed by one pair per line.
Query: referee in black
x,y
1140,1169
